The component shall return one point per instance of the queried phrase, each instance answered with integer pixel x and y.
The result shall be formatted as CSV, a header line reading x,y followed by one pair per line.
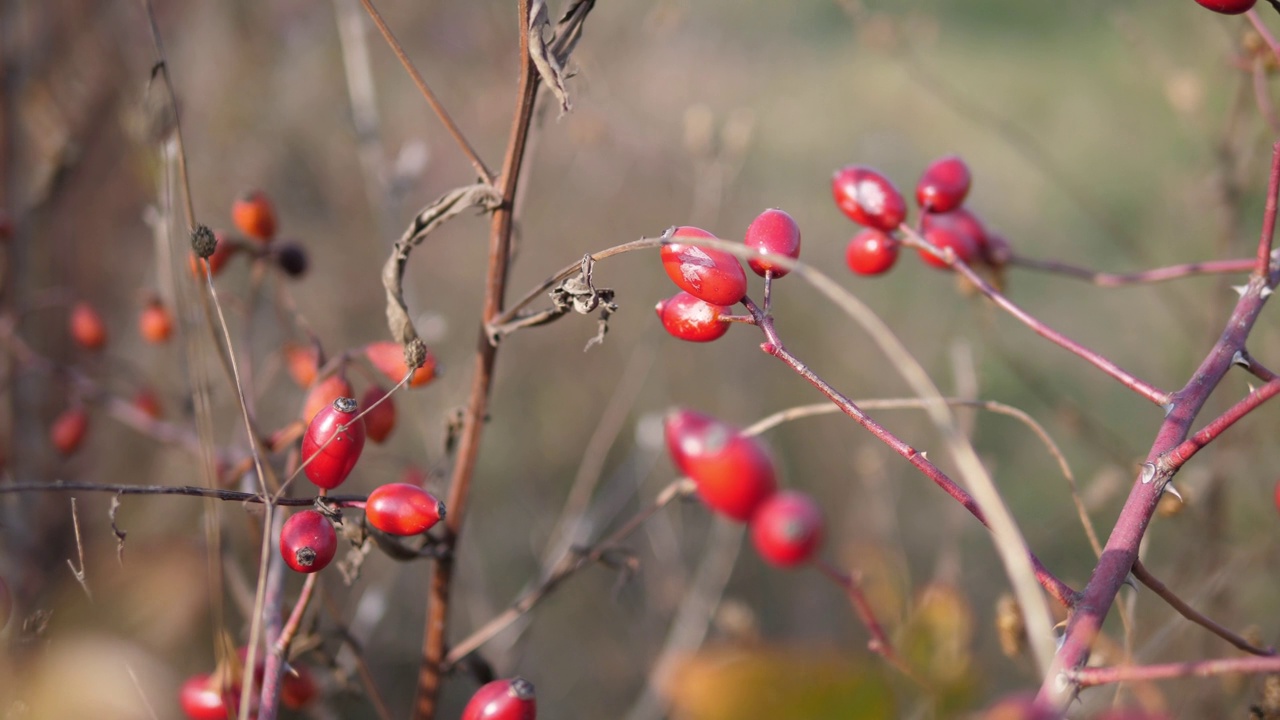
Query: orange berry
x,y
155,323
388,358
323,393
302,362
255,216
68,430
380,419
87,327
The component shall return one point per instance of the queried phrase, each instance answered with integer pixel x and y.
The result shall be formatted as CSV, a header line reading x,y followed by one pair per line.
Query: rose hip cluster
x,y
254,216
735,477
868,198
711,281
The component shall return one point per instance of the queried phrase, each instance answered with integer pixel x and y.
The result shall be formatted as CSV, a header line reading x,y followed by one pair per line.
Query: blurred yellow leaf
x,y
770,683
937,640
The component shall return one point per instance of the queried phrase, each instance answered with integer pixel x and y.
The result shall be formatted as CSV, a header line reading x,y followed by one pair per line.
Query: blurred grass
x,y
1093,131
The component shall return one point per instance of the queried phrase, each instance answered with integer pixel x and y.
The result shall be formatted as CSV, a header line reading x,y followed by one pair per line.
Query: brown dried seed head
x,y
203,241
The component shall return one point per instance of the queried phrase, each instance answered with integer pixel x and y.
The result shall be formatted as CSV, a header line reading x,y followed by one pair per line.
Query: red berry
x,y
388,358
872,252
323,393
146,401
787,528
302,362
868,198
222,252
773,232
87,327
705,273
298,690
308,541
255,216
155,323
1228,7
330,454
68,430
202,698
959,221
689,318
1277,495
403,509
944,238
944,184
503,700
733,472
381,418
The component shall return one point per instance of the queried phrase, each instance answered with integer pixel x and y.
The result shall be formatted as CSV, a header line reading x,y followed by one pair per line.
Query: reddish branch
x,y
1155,275
1089,677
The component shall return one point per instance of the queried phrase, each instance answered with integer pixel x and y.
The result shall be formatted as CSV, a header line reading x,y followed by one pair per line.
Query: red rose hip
x,y
308,541
388,358
380,420
329,451
944,184
733,472
87,327
503,700
772,233
1228,7
202,699
711,275
868,198
255,216
787,529
872,252
945,239
403,509
68,430
691,319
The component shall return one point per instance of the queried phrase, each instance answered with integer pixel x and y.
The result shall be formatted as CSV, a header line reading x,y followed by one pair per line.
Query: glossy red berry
x,y
388,358
868,198
155,323
944,184
1228,7
787,528
298,688
68,430
689,318
380,420
962,222
202,698
308,541
711,275
772,233
403,509
945,238
511,699
255,216
329,451
87,327
323,393
733,472
872,252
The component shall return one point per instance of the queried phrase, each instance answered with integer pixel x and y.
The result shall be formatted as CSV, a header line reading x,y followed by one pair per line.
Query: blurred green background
x,y
1116,136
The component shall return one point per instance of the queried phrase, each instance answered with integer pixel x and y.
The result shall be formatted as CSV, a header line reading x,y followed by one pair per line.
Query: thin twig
x,y
79,572
1092,677
1154,275
1141,572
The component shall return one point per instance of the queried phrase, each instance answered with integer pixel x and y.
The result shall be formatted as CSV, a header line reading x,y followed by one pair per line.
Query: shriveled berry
x,y
68,430
787,528
944,239
308,541
87,327
1228,7
689,318
706,273
155,324
380,420
329,451
388,358
511,699
872,252
292,258
774,232
403,509
944,184
255,216
868,198
733,472
323,393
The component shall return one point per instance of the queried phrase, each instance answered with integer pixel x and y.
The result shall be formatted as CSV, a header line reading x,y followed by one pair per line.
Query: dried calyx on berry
x,y
203,241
